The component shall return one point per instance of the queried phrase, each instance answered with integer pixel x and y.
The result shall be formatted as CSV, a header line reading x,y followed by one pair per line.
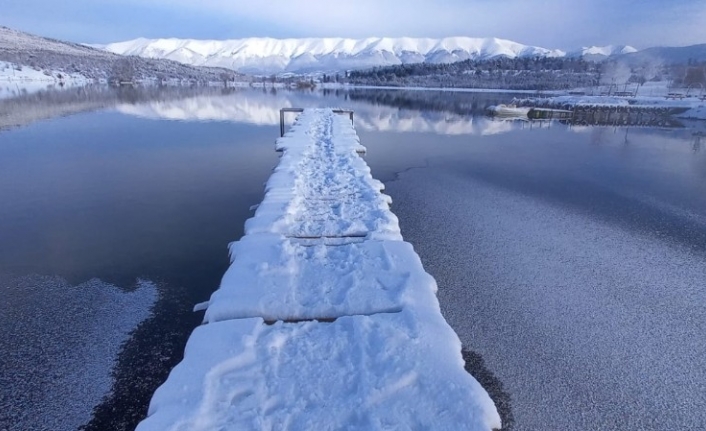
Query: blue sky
x,y
561,24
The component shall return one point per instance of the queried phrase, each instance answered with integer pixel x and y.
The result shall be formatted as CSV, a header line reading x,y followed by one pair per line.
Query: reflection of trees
x,y
598,136
463,103
696,143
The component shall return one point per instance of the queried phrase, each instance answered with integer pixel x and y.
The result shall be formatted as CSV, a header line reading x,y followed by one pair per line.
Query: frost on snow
x,y
326,319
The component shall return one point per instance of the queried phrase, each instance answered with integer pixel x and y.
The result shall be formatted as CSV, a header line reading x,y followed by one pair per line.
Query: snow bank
x,y
359,340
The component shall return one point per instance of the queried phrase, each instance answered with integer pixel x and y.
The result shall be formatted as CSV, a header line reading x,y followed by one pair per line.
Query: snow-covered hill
x,y
27,58
14,40
267,56
667,55
598,53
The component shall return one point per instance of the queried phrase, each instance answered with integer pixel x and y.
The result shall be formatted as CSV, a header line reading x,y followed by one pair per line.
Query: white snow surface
x,y
322,189
322,246
302,281
380,372
267,55
603,51
11,74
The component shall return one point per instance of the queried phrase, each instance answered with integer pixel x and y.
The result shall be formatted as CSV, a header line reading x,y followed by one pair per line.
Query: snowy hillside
x,y
13,40
667,55
267,56
26,58
597,53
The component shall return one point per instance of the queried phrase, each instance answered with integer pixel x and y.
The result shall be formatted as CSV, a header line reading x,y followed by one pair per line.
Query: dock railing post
x,y
281,122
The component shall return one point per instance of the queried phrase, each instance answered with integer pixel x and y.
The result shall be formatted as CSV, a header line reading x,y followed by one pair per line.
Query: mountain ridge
x,y
270,55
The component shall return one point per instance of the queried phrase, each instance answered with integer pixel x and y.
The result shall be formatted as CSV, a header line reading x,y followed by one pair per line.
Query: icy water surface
x,y
570,260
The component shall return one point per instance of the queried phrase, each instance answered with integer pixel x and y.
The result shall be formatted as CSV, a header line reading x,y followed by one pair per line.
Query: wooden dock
x,y
326,319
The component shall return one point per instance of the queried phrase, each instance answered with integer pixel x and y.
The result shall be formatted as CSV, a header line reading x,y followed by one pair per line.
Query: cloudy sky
x,y
564,24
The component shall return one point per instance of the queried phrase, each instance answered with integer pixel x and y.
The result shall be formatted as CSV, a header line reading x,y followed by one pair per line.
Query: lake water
x,y
570,260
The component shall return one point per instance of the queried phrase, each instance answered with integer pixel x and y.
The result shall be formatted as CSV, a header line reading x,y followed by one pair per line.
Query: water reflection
x,y
26,107
438,112
129,197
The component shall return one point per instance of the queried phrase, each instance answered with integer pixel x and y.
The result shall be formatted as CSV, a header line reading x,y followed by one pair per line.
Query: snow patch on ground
x,y
59,347
16,79
21,73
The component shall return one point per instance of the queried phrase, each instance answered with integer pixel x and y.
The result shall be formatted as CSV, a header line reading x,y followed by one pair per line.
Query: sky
x,y
563,24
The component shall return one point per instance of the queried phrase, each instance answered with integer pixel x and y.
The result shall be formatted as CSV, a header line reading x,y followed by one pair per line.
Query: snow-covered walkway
x,y
326,319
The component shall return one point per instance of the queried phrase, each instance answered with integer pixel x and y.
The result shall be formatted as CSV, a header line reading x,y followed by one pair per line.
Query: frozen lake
x,y
572,260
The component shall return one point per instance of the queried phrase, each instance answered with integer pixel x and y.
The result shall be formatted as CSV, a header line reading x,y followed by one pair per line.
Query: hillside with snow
x,y
269,56
667,55
28,59
599,53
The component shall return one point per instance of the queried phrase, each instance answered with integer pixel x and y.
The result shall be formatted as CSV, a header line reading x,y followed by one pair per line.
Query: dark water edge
x,y
145,361
475,366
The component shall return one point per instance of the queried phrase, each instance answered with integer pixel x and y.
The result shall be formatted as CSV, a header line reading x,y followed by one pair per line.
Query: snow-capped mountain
x,y
268,56
597,53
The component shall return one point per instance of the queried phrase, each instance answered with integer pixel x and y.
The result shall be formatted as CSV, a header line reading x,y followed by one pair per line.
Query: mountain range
x,y
271,56
212,60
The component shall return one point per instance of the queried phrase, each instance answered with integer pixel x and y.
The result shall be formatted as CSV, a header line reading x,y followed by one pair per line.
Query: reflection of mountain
x,y
443,113
23,108
263,109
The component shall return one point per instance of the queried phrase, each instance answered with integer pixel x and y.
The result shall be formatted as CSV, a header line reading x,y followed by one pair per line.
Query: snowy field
x,y
56,365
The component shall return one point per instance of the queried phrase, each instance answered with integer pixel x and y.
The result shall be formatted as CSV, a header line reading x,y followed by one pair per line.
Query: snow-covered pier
x,y
326,319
